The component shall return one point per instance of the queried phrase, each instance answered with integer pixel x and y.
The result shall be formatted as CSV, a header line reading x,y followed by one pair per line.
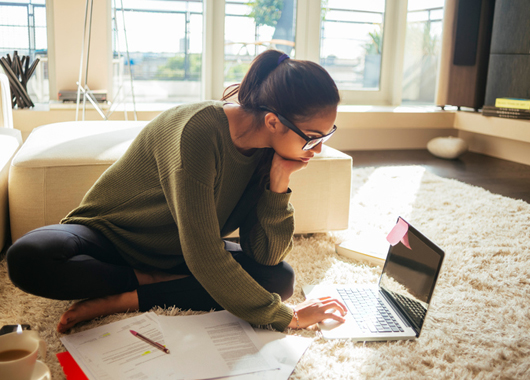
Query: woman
x,y
149,232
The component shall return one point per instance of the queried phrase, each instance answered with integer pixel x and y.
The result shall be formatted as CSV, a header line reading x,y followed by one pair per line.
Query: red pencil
x,y
147,340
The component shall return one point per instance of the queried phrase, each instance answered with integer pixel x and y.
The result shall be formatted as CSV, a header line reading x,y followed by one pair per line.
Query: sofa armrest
x,y
10,141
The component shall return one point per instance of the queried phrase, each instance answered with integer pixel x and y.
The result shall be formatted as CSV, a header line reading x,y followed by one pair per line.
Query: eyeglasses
x,y
310,142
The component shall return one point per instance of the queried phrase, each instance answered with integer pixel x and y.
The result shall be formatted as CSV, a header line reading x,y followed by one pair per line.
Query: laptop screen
x,y
409,275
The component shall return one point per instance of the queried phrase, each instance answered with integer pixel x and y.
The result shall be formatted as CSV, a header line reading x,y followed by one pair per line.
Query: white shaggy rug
x,y
478,326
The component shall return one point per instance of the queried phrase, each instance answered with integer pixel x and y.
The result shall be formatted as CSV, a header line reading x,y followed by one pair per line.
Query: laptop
x,y
396,308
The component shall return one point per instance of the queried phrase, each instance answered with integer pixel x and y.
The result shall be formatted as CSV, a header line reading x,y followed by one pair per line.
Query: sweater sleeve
x,y
267,231
193,207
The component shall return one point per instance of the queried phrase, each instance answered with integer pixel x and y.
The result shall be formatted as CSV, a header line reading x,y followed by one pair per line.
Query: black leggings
x,y
71,262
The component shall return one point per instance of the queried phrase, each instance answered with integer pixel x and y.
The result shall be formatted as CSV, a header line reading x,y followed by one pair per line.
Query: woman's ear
x,y
272,123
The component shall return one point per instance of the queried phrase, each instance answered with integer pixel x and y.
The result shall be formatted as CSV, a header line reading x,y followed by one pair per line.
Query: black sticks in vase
x,y
19,71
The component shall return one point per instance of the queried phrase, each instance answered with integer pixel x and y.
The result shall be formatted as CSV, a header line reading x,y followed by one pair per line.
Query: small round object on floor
x,y
447,147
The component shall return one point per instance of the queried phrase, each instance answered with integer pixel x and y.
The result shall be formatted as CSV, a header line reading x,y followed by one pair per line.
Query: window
x,y
422,50
351,42
251,27
361,45
164,40
23,29
187,50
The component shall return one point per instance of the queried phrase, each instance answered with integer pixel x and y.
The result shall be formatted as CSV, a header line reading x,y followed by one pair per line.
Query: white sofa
x,y
59,162
10,141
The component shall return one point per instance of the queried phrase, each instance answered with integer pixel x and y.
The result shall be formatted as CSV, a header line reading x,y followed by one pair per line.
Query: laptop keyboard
x,y
368,311
415,309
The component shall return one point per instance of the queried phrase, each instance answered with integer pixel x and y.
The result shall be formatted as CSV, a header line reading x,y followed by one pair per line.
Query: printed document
x,y
214,345
111,352
286,350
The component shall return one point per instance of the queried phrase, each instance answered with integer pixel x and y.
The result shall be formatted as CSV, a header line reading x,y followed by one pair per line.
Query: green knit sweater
x,y
181,186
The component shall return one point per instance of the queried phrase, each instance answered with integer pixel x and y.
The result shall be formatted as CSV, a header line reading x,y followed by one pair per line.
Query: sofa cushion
x,y
59,163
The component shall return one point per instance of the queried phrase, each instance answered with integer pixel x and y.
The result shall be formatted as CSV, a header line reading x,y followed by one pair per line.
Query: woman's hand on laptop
x,y
312,311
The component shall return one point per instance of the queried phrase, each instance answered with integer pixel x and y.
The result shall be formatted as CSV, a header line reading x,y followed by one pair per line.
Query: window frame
x,y
308,29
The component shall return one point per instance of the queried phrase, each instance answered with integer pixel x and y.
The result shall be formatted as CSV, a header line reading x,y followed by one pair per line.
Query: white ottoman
x,y
59,163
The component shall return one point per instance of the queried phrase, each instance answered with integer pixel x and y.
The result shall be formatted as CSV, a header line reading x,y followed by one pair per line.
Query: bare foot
x,y
145,278
97,307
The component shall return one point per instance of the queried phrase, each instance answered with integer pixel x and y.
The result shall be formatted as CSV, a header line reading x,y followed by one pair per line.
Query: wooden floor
x,y
498,176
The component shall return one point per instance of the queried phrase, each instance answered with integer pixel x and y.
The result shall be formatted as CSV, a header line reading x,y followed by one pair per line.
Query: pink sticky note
x,y
399,234
405,240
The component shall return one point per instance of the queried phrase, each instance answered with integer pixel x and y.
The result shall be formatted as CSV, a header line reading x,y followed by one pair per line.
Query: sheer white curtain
x,y
446,53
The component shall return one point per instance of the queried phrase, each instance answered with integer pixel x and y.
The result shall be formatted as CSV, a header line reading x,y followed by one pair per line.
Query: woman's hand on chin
x,y
281,170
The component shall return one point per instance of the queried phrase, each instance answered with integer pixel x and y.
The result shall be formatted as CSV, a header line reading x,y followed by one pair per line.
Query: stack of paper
x,y
213,345
371,249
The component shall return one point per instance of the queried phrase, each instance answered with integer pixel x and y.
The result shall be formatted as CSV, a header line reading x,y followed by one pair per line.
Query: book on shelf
x,y
523,104
510,113
371,250
506,116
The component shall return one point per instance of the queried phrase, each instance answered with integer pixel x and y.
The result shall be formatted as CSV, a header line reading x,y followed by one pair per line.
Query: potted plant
x,y
266,12
372,59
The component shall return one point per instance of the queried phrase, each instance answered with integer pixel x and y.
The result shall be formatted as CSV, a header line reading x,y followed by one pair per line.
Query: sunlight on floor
x,y
389,192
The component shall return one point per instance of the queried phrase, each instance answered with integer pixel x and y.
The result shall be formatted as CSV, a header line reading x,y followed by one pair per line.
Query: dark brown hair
x,y
296,89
